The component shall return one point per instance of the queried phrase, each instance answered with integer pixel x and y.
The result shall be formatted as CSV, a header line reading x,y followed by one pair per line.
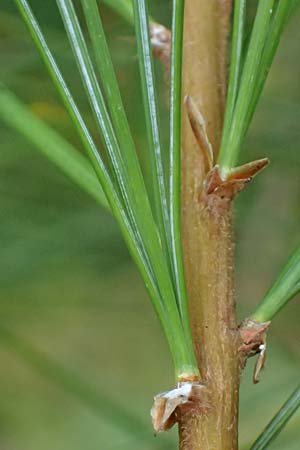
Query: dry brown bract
x,y
166,405
254,342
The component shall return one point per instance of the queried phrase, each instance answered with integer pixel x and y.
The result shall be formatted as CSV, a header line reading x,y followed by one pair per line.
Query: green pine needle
x,y
152,121
284,289
175,157
246,82
278,423
232,143
235,65
281,14
122,183
100,169
133,194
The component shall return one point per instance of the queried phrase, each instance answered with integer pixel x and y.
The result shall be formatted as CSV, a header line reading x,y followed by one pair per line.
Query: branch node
x,y
166,407
227,186
254,342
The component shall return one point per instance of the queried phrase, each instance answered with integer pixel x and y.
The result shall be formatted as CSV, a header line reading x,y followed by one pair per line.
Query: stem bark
x,y
207,237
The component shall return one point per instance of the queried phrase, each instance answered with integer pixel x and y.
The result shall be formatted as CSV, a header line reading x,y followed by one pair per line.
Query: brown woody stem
x,y
207,237
208,257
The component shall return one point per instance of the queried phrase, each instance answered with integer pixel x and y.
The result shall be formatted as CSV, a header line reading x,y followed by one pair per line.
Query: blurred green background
x,y
69,288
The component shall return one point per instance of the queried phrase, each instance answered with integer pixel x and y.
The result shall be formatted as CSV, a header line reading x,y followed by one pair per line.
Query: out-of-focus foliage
x,y
67,283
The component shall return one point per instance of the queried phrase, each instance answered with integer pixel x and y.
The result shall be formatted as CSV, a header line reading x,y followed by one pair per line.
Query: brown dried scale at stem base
x,y
165,407
226,188
254,342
